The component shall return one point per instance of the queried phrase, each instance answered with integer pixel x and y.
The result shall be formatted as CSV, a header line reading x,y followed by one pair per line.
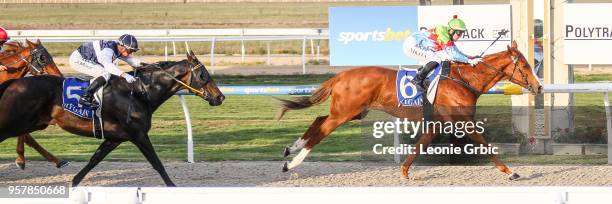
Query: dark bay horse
x,y
21,60
36,102
355,91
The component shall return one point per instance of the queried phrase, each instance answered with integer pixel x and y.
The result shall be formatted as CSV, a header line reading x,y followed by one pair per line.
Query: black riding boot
x,y
87,98
422,74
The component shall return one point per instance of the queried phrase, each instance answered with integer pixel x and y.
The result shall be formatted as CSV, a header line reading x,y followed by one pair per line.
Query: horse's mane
x,y
495,55
156,66
14,44
166,64
11,47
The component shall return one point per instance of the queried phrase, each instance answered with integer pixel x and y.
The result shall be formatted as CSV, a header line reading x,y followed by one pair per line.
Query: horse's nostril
x,y
221,98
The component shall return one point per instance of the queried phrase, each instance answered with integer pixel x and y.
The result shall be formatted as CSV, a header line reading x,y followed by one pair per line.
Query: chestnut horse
x,y
21,60
356,91
36,102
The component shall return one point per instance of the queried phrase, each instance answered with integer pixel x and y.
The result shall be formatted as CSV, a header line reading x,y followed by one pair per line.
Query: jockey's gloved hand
x,y
129,78
474,61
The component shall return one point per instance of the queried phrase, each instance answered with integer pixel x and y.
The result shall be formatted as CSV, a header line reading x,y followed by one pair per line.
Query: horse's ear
x,y
514,45
38,41
193,56
190,56
30,44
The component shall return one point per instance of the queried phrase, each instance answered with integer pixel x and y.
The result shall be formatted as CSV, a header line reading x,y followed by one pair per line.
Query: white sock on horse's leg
x,y
297,145
297,160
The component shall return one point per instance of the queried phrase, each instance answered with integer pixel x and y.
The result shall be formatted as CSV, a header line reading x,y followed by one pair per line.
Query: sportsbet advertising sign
x,y
374,35
370,35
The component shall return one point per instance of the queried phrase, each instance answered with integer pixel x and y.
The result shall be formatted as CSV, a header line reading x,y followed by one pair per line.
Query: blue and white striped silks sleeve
x,y
106,59
455,54
132,61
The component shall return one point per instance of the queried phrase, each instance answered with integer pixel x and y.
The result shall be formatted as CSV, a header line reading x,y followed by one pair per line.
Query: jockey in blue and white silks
x,y
436,45
97,59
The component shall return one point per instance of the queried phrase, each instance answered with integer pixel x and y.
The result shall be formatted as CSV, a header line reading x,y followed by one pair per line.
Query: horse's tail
x,y
319,96
5,85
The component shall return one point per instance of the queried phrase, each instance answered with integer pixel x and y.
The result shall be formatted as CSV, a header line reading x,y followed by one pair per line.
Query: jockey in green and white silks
x,y
433,46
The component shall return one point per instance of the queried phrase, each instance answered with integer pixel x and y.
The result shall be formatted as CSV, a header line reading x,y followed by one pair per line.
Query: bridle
x,y
193,68
524,83
35,63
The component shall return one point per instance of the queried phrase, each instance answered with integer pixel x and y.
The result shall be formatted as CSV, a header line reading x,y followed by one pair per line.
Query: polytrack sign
x,y
588,35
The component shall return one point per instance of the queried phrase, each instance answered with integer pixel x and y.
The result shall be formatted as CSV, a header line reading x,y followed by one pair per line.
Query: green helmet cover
x,y
456,23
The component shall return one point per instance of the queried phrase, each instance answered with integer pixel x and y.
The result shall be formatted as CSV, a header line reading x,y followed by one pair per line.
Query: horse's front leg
x,y
106,147
144,145
479,139
425,140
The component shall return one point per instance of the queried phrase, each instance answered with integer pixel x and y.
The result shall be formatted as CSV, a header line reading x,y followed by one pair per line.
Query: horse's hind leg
x,y
479,139
300,143
30,141
20,160
27,139
320,128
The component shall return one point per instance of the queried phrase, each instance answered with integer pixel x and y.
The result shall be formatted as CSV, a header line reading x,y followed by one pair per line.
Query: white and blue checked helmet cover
x,y
128,41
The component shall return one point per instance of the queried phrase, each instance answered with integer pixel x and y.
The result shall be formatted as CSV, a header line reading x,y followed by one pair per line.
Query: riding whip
x,y
500,33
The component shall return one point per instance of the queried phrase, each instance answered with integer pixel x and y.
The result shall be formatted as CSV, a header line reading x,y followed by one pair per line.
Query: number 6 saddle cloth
x,y
408,94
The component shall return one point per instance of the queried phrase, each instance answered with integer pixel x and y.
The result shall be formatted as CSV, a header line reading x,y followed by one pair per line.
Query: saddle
x,y
72,90
409,95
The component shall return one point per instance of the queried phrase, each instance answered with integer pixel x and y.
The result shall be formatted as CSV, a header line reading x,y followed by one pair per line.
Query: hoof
x,y
287,152
514,177
405,173
285,168
62,164
20,165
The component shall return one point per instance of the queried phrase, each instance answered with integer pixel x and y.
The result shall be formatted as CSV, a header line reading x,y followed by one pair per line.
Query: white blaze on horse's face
x,y
526,74
531,80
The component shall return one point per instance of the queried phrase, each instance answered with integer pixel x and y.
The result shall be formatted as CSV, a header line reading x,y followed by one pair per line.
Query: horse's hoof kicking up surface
x,y
514,176
285,168
21,166
62,164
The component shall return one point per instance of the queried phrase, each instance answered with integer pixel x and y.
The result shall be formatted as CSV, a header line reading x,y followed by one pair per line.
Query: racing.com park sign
x,y
374,35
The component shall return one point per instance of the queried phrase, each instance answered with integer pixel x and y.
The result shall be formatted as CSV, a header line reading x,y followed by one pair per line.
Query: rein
x,y
183,83
476,92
